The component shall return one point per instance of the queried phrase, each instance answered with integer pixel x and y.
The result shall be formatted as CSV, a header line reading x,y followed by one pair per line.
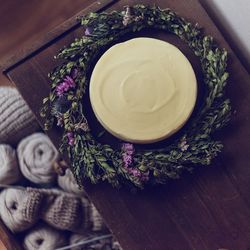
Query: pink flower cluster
x,y
127,157
64,86
183,145
71,139
137,173
88,31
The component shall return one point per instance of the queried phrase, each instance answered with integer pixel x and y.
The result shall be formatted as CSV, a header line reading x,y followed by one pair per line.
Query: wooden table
x,y
207,210
22,22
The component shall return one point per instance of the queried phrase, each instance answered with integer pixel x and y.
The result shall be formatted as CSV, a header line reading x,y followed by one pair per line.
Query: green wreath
x,y
129,165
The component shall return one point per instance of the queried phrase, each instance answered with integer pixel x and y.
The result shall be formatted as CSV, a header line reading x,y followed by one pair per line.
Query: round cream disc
x,y
143,90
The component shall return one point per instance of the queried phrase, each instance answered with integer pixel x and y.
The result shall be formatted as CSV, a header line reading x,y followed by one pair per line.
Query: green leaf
x,y
101,133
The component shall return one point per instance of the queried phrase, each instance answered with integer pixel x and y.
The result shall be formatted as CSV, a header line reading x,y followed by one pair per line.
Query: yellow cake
x,y
143,90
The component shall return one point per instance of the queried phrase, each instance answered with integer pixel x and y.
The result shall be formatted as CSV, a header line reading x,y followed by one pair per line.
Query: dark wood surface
x,y
48,37
26,23
207,210
23,22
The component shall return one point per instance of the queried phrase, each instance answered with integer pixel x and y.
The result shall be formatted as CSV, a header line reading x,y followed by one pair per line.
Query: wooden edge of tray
x,y
48,38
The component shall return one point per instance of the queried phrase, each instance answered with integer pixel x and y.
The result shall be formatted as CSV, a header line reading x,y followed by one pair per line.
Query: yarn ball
x,y
70,212
44,237
63,211
36,155
18,209
68,183
16,118
22,208
96,220
9,169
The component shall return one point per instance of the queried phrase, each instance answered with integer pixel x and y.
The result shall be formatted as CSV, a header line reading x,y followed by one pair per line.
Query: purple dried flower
x,y
64,86
71,142
127,159
128,150
143,176
70,135
135,172
59,91
183,145
70,82
71,139
128,147
127,17
88,31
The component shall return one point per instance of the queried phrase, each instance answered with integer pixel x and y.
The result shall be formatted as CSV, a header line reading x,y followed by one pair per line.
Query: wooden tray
x,y
207,210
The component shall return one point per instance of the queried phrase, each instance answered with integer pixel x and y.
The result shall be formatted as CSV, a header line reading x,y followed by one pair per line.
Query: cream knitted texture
x,y
68,183
44,237
36,155
96,219
18,209
70,212
16,119
64,211
22,208
9,169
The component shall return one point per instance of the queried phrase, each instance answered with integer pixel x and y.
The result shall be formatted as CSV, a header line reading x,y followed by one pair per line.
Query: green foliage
x,y
90,159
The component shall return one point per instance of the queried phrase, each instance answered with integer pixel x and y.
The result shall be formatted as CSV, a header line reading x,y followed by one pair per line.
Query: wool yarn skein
x,y
22,208
19,209
68,183
36,155
96,219
16,118
66,211
9,169
70,212
44,237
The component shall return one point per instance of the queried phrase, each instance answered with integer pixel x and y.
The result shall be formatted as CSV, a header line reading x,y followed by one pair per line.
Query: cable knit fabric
x,y
68,183
70,212
107,244
21,209
37,155
16,119
96,219
44,237
9,169
64,212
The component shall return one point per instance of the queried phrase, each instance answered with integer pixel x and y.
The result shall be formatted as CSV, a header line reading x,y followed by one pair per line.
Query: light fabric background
x,y
235,18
